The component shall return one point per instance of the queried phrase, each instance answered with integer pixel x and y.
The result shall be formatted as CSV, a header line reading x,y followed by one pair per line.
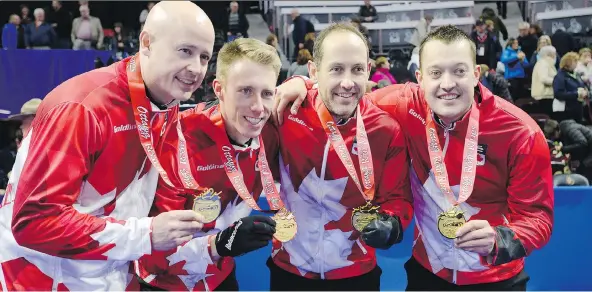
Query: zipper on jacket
x,y
323,215
364,251
455,270
446,139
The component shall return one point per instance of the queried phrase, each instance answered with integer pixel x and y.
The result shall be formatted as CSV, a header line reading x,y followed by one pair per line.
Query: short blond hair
x,y
317,52
250,49
568,59
545,40
585,50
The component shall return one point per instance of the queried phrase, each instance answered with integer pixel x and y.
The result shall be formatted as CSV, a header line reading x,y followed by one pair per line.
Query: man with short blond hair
x,y
247,70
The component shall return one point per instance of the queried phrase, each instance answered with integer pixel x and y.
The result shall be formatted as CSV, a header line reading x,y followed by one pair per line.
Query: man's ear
x,y
477,75
218,89
145,42
312,70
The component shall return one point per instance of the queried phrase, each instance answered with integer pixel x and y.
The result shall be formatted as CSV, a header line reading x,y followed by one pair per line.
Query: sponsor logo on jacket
x,y
123,128
298,121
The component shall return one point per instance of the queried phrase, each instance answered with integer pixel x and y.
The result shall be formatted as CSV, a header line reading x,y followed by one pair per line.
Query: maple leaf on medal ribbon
x,y
314,205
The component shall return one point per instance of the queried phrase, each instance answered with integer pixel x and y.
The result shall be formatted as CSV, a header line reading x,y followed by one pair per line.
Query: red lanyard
x,y
143,114
469,164
364,153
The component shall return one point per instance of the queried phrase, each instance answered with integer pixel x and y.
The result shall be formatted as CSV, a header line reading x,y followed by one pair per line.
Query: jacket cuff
x,y
507,248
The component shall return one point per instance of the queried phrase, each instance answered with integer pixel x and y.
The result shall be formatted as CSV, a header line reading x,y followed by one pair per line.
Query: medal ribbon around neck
x,y
143,114
367,187
235,175
469,164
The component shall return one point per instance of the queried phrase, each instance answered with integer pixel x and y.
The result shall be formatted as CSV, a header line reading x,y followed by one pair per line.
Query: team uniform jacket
x,y
74,215
190,266
513,188
316,187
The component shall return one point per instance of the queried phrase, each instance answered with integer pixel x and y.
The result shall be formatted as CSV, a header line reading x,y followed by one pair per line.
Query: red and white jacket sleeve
x,y
530,201
60,155
394,190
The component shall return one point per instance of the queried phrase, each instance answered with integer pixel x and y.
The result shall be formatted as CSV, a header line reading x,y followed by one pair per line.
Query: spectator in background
x,y
584,67
309,40
120,42
564,42
87,31
61,21
515,63
528,42
536,30
421,31
543,41
367,12
302,26
383,77
13,33
496,83
273,41
569,90
40,34
498,24
26,116
364,30
576,140
144,13
300,67
485,43
543,75
25,14
236,24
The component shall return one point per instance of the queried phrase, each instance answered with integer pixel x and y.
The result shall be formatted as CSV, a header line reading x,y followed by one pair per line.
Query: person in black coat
x,y
302,26
486,44
569,90
563,42
236,23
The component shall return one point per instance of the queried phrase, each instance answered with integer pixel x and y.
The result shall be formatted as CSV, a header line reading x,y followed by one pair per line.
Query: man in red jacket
x,y
75,214
220,155
481,172
344,175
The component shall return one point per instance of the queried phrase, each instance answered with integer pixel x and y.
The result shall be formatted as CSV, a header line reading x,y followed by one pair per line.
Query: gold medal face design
x,y
449,222
208,204
362,216
285,226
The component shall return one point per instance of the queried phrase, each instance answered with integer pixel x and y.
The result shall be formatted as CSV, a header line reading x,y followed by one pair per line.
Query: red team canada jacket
x,y
316,187
74,214
513,185
190,267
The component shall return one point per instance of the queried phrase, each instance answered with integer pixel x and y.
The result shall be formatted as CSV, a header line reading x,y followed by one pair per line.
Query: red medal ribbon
x,y
143,114
469,164
235,175
367,187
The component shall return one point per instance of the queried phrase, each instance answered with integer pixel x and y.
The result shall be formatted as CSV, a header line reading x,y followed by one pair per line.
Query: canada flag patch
x,y
481,150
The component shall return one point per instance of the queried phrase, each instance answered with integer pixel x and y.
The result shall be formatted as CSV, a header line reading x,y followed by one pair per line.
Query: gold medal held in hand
x,y
363,215
285,225
449,222
208,204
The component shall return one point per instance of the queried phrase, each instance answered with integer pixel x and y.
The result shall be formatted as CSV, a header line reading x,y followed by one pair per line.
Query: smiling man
x,y
216,144
75,214
344,175
481,172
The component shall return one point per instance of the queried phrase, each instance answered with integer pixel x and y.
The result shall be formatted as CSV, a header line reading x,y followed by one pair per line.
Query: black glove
x,y
383,232
245,235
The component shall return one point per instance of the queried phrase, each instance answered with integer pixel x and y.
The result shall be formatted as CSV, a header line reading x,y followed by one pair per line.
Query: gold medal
x,y
449,222
362,216
285,226
208,204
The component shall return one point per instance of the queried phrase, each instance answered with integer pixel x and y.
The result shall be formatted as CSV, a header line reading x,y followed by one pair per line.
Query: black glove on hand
x,y
245,235
383,232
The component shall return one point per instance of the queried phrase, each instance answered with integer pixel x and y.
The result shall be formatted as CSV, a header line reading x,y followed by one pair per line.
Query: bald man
x,y
75,212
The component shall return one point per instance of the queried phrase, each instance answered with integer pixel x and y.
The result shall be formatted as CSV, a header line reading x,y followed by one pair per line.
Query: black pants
x,y
229,284
420,279
281,280
502,8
